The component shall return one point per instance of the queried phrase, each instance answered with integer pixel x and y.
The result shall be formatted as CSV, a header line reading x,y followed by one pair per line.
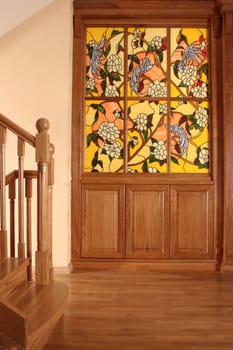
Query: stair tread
x,y
7,343
10,265
40,303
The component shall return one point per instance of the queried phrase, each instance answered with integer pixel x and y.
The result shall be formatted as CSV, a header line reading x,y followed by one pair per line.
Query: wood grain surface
x,y
146,310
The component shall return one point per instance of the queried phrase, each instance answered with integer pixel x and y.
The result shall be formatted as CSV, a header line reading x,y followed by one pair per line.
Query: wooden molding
x,y
228,23
225,5
148,8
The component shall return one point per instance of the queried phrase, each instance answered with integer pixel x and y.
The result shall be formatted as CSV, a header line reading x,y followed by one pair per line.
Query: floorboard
x,y
150,310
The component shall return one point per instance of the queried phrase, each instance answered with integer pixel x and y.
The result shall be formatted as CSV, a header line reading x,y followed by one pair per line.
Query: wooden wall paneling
x,y
95,186
216,132
226,7
77,138
147,221
191,225
103,222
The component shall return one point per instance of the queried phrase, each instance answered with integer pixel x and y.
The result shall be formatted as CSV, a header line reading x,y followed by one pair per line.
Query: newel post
x,y
43,240
50,203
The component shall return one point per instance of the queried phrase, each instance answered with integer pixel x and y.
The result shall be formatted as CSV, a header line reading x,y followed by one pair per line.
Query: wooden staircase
x,y
30,304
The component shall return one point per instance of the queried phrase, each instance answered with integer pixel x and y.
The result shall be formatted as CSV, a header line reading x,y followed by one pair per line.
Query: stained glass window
x,y
147,100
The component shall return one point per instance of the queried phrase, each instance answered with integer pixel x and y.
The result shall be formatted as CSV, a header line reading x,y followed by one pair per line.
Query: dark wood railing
x,y
20,188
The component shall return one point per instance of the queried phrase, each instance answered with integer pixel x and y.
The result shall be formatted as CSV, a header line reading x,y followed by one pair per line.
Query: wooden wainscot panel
x,y
147,221
191,221
103,221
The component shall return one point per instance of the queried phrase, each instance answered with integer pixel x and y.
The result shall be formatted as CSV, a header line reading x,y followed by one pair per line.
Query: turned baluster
x,y
21,153
3,232
11,196
28,190
42,158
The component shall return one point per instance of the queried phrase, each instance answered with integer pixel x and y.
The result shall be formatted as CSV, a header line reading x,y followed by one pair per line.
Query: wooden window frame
x,y
218,15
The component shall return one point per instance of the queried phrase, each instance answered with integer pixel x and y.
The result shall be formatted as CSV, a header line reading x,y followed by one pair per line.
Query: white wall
x,y
36,81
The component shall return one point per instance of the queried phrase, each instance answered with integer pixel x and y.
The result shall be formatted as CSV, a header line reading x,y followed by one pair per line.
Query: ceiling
x,y
14,12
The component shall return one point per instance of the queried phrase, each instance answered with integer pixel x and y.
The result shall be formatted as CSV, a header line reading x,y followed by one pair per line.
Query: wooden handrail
x,y
44,175
13,127
13,175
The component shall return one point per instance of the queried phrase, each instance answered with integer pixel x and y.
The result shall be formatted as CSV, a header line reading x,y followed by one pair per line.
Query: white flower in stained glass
x,y
91,84
93,44
114,63
156,41
160,150
111,91
137,33
141,121
117,114
152,170
163,108
134,140
201,116
157,89
189,74
134,43
203,156
113,150
108,131
199,91
131,170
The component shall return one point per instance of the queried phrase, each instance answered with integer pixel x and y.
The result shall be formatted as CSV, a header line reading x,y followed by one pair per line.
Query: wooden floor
x,y
138,310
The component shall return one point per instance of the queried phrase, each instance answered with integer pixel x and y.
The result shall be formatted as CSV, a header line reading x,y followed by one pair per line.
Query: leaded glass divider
x,y
147,107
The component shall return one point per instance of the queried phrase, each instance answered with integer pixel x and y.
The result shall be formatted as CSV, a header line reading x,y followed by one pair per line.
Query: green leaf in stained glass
x,y
94,105
145,167
204,69
145,134
91,137
106,52
101,109
174,160
100,162
119,48
131,66
175,69
95,160
115,32
135,59
150,48
182,84
159,53
152,159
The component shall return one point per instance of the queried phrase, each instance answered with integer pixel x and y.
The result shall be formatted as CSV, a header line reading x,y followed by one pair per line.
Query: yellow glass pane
x,y
105,62
189,62
147,139
147,62
189,137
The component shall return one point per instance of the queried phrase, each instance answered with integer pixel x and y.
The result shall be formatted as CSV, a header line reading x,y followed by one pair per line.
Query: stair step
x,y
7,344
39,307
13,274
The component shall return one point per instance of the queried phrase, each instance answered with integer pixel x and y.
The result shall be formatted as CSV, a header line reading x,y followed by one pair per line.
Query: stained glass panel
x,y
141,116
147,138
147,62
189,137
104,136
104,62
189,62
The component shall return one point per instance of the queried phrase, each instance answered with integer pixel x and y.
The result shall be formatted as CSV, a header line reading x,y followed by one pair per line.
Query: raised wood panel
x,y
147,217
103,218
191,225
